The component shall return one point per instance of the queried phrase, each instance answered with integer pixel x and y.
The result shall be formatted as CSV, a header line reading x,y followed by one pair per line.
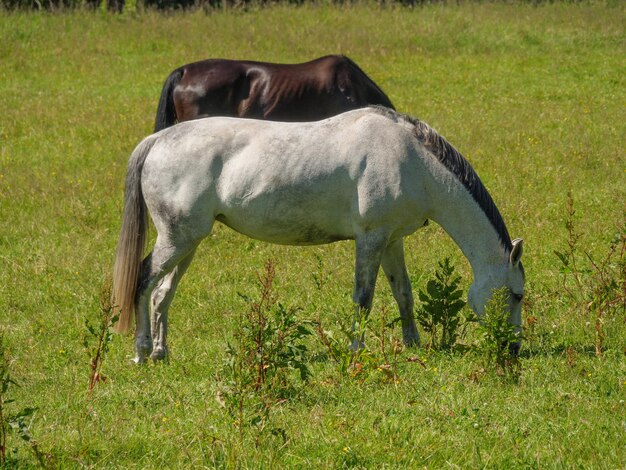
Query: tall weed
x,y
595,287
96,339
267,361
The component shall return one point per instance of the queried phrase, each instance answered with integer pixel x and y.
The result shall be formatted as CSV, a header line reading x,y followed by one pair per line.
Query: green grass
x,y
533,96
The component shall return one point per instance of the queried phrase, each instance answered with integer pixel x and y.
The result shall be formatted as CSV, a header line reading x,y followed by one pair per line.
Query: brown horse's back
x,y
282,92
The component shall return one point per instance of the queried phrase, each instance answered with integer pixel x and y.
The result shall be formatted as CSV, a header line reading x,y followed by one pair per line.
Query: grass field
x,y
533,96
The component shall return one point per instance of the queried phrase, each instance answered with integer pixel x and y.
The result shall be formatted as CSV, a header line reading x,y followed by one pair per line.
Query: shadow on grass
x,y
558,350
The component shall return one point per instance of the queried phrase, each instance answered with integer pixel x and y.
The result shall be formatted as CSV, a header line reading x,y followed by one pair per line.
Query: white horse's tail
x,y
132,239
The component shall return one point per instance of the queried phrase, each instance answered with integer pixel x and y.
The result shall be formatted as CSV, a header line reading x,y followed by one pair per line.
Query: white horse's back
x,y
299,184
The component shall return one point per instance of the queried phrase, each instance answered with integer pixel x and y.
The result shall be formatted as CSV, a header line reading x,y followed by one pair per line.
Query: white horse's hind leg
x,y
161,299
164,257
395,270
143,340
369,250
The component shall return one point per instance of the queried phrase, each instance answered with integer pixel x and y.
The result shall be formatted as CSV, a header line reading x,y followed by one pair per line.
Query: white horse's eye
x,y
517,297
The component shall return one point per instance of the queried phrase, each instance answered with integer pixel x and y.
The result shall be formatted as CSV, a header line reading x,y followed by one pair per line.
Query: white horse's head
x,y
509,275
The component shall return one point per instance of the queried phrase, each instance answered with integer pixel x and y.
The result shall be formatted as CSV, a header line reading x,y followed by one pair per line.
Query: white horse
x,y
370,175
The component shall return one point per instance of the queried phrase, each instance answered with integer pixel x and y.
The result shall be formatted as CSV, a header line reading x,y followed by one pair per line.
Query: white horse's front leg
x,y
395,270
161,299
369,250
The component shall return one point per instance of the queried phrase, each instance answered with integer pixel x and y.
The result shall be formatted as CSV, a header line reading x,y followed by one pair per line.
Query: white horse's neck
x,y
468,225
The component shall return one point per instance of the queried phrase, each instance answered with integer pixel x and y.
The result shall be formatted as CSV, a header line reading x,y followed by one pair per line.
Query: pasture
x,y
532,96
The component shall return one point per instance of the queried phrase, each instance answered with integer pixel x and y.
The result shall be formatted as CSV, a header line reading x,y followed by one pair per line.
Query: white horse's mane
x,y
452,159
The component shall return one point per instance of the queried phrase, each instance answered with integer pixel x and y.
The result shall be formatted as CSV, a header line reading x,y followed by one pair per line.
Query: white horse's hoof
x,y
139,360
159,354
143,348
410,336
142,352
357,346
412,342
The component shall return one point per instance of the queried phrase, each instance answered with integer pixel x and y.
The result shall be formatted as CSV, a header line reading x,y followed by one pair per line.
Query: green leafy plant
x,y
380,363
596,287
338,345
97,338
18,422
496,334
268,352
440,313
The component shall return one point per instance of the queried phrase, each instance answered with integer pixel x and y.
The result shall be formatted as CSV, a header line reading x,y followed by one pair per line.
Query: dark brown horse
x,y
280,92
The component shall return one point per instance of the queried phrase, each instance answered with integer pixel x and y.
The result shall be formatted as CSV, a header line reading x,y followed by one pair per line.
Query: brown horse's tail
x,y
166,112
132,239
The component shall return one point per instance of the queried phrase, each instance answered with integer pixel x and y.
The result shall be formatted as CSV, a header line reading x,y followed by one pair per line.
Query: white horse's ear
x,y
516,251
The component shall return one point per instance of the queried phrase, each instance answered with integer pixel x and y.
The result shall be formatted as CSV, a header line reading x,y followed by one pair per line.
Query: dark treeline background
x,y
118,5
